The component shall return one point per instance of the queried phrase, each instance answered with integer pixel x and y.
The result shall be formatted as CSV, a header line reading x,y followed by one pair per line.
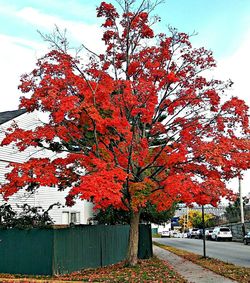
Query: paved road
x,y
232,252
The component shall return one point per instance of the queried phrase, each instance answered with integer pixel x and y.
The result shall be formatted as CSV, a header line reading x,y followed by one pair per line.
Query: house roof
x,y
9,115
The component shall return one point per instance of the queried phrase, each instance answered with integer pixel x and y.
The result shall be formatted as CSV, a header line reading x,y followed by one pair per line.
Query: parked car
x,y
208,233
165,234
221,233
195,233
246,239
201,234
174,234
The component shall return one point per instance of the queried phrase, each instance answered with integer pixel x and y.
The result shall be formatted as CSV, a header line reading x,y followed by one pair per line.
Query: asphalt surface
x,y
231,252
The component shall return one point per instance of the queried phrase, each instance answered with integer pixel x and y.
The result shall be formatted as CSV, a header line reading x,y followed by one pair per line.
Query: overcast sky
x,y
222,26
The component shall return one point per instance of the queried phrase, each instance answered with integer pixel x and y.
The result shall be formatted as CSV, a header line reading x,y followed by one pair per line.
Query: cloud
x,y
236,67
30,44
79,30
17,56
73,9
88,34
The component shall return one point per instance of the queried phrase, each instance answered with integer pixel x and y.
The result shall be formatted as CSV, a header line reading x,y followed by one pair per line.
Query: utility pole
x,y
241,209
203,228
184,223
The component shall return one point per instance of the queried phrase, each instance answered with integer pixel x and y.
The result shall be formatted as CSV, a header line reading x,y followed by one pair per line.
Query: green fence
x,y
26,251
59,251
89,246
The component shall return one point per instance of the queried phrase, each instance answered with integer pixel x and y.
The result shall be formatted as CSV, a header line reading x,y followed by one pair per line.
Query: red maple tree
x,y
140,121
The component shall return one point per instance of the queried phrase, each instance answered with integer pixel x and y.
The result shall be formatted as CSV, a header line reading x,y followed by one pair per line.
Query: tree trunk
x,y
132,255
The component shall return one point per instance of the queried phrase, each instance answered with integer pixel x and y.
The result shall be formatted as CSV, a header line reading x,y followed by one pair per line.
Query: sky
x,y
222,26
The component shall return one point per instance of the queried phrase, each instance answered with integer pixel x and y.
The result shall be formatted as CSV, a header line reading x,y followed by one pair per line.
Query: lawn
x,y
229,270
152,270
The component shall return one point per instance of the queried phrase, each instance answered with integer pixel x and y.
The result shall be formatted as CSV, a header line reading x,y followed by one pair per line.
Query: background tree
x,y
149,214
232,212
139,123
27,217
195,220
7,216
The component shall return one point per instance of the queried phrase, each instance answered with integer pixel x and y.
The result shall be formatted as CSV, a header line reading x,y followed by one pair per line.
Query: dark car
x,y
246,239
201,234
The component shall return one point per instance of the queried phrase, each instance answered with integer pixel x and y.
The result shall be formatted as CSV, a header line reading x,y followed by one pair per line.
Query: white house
x,y
80,213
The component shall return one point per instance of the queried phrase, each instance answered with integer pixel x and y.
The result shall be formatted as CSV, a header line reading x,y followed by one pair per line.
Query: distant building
x,y
218,211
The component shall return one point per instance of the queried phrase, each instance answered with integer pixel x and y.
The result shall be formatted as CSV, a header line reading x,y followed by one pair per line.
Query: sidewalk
x,y
190,271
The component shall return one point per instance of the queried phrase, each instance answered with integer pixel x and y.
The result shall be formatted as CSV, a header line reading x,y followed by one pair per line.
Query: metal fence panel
x,y
145,241
76,248
60,251
26,251
94,246
114,243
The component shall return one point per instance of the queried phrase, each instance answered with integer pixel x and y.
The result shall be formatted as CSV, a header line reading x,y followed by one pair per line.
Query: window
x,y
224,229
75,217
70,217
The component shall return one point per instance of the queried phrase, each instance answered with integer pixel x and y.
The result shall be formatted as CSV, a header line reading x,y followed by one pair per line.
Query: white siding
x,y
3,170
10,152
44,196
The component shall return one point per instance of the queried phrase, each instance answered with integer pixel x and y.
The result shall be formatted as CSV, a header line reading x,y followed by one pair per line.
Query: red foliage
x,y
141,125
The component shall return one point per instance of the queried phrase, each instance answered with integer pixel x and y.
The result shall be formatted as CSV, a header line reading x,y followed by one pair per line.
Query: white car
x,y
221,233
195,233
165,234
